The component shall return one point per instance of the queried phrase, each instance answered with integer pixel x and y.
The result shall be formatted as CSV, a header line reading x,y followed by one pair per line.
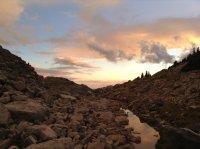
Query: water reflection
x,y
149,135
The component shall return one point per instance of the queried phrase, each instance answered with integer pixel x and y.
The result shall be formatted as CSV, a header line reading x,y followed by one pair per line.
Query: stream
x,y
149,136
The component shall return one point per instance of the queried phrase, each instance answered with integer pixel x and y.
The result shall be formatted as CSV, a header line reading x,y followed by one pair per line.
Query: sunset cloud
x,y
72,62
112,55
95,40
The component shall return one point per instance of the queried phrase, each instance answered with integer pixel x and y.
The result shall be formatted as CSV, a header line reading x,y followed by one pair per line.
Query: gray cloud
x,y
154,53
112,55
45,52
71,62
51,72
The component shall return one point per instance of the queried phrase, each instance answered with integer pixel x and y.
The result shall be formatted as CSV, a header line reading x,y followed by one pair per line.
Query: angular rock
x,y
44,132
106,117
62,143
4,115
96,145
29,110
121,120
116,139
30,140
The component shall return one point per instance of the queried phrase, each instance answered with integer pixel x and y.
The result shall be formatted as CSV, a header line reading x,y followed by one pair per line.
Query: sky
x,y
99,42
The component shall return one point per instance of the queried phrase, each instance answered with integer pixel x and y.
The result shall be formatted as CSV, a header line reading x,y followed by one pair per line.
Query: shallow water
x,y
149,136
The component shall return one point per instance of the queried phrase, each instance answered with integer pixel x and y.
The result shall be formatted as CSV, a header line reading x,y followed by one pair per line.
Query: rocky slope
x,y
55,113
170,97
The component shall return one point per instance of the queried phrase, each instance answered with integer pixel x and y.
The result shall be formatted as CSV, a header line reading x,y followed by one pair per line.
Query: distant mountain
x,y
65,85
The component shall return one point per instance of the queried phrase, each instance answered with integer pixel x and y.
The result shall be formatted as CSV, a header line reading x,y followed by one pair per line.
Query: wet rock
x,y
62,143
121,120
27,110
4,115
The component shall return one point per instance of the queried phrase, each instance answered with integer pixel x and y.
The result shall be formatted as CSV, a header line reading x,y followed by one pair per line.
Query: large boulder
x,y
62,143
4,115
175,138
29,110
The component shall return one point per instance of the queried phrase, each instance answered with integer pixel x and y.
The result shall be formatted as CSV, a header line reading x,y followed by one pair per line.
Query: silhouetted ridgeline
x,y
192,61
